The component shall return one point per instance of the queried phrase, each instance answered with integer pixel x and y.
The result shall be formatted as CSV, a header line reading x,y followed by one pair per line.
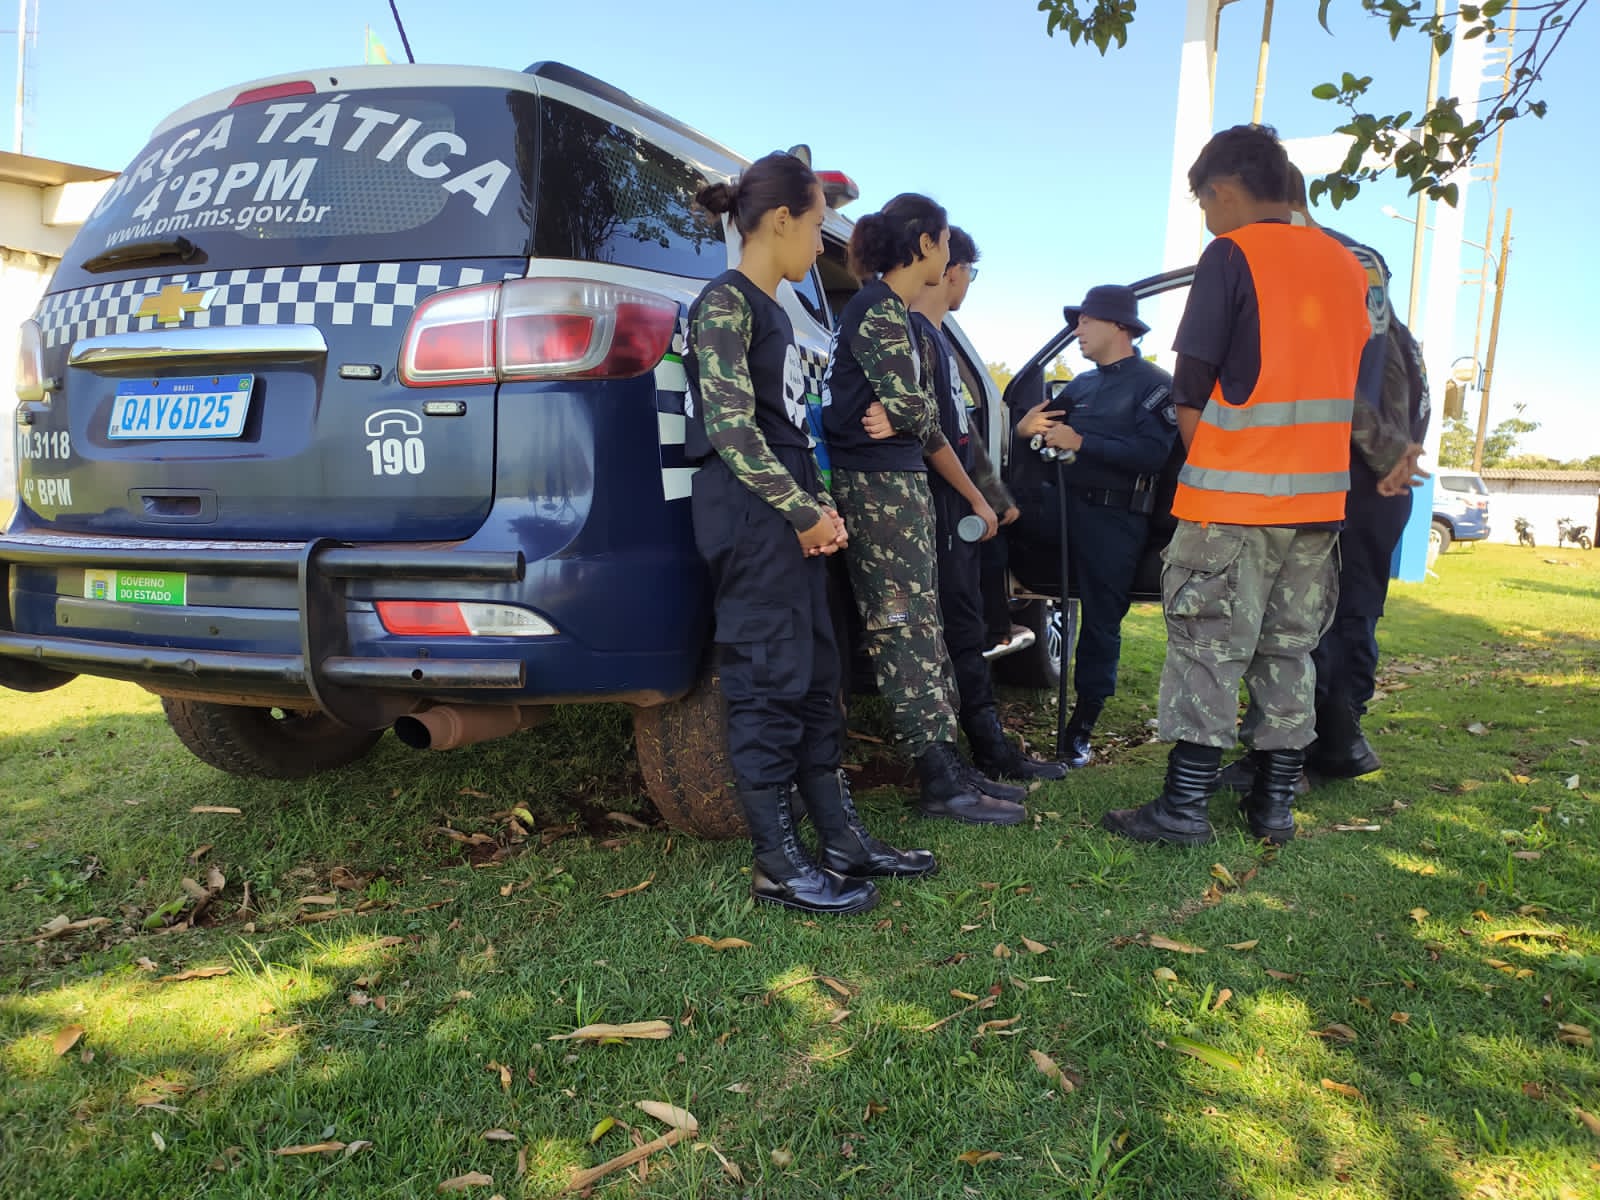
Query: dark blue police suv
x,y
358,403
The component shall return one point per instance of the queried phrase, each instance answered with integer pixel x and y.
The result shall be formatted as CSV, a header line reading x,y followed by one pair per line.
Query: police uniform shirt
x,y
747,396
875,359
1125,413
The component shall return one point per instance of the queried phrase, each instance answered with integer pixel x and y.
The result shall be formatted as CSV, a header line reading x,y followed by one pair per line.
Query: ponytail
x,y
892,238
777,181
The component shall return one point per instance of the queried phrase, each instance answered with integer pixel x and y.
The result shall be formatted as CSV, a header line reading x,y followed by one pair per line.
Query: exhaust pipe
x,y
449,726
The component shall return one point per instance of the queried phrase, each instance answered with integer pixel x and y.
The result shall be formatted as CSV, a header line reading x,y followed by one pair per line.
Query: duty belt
x,y
1141,498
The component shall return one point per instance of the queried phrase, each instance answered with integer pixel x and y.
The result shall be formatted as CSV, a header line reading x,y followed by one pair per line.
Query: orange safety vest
x,y
1283,456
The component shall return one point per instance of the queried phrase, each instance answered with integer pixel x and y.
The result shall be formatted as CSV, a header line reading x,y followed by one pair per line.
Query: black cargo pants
x,y
776,651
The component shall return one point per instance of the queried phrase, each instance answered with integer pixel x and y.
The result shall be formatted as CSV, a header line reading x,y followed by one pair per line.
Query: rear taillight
x,y
30,362
451,618
274,91
536,329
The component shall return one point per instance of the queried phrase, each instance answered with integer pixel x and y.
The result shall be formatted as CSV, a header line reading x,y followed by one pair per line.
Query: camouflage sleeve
x,y
721,338
882,345
987,480
1381,436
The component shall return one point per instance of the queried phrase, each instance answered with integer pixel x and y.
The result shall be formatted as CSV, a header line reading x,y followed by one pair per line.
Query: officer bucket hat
x,y
1110,302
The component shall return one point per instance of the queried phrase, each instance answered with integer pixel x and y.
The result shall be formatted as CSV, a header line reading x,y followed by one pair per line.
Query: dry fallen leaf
x,y
462,1182
498,1135
1590,1121
1528,855
196,973
669,1114
652,1030
1419,915
973,1157
1165,975
1033,947
1574,1035
66,1039
1250,945
1400,1018
1337,1033
873,1109
1001,950
1285,976
224,809
1158,942
960,995
997,1026
727,943
1223,997
1478,729
628,891
1343,1089
1223,876
740,1088
313,1148
1050,1069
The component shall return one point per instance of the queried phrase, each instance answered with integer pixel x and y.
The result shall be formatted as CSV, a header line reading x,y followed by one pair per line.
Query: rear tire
x,y
265,743
1439,535
1586,542
1039,666
682,748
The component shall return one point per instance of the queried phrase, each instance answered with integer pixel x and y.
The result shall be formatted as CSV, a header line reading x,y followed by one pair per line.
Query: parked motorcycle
x,y
1578,535
1524,532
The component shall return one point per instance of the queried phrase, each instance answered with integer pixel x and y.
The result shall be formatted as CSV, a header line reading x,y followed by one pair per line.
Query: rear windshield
x,y
358,176
1463,483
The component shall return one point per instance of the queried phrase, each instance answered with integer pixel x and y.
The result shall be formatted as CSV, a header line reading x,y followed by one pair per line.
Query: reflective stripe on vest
x,y
1283,456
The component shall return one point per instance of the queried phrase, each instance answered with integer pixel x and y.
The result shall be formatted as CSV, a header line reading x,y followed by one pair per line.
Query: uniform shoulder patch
x,y
1160,400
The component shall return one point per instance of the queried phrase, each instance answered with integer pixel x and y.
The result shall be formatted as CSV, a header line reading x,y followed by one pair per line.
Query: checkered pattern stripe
x,y
815,364
367,294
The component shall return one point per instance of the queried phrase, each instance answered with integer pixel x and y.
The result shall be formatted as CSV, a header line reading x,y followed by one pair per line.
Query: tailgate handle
x,y
282,342
170,504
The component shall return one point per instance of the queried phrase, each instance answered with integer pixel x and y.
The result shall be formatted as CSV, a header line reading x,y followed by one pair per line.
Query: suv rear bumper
x,y
364,692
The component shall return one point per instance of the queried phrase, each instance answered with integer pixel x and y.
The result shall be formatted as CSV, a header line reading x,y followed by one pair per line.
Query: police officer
x,y
1390,419
1120,421
763,524
1268,352
959,560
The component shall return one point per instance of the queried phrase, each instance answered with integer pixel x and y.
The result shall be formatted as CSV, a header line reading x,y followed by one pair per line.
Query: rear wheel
x,y
682,749
1039,666
1439,537
1585,542
266,743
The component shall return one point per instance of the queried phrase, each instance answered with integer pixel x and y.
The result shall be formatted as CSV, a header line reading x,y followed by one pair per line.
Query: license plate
x,y
197,406
136,587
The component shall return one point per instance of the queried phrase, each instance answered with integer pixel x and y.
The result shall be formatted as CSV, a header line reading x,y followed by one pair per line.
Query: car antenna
x,y
401,26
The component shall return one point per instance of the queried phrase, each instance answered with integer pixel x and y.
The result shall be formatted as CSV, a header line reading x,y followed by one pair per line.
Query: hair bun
x,y
718,197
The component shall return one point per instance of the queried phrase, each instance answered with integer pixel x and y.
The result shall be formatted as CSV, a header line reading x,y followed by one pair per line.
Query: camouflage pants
x,y
1244,603
889,517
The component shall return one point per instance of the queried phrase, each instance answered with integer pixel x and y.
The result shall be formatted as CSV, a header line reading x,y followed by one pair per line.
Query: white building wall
x,y
1543,502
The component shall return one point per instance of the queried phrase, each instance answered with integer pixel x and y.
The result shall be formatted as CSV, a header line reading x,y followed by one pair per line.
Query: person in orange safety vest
x,y
1268,352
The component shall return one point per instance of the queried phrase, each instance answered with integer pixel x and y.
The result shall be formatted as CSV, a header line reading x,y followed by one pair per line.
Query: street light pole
x,y
1494,338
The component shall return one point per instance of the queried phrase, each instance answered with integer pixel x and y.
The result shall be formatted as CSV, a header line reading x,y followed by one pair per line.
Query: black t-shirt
x,y
940,359
873,343
1221,329
776,376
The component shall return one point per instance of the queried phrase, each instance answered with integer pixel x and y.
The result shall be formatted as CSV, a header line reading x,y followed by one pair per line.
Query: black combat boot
x,y
1268,807
1341,750
1240,776
1079,726
946,791
843,843
783,874
1178,815
996,757
1012,793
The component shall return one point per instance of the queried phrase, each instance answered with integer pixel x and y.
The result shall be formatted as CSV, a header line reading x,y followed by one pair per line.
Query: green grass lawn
x,y
1395,1011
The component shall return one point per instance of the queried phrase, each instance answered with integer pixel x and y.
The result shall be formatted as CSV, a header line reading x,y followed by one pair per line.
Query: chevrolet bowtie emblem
x,y
170,304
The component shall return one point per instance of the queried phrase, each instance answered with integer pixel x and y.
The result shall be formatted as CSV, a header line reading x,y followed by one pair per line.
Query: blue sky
x,y
1055,159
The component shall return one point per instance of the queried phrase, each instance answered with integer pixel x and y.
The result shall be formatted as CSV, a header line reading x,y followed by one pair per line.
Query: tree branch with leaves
x,y
1442,143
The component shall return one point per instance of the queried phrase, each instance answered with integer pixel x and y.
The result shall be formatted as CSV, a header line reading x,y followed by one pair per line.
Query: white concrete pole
x,y
22,49
1186,230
